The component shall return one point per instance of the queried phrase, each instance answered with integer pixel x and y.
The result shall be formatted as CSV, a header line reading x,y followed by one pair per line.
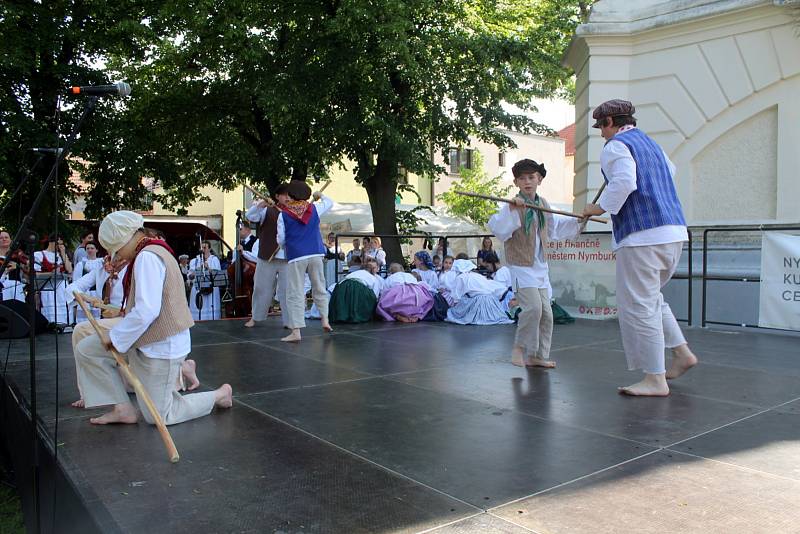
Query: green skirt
x,y
352,302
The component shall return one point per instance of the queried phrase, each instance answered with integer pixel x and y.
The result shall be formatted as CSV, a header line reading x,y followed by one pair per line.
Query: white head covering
x,y
463,266
117,229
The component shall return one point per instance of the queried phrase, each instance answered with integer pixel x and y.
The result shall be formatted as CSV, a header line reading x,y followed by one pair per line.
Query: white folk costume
x,y
298,233
153,335
477,299
270,279
648,234
204,304
53,294
525,233
82,268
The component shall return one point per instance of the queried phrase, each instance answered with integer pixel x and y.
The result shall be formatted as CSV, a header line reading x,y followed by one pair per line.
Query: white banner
x,y
583,276
779,301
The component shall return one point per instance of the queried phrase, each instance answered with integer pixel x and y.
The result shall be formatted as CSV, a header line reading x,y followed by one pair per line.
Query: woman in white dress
x,y
86,266
53,297
11,281
205,304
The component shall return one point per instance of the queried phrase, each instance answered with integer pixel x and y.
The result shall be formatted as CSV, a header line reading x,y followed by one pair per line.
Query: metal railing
x,y
731,278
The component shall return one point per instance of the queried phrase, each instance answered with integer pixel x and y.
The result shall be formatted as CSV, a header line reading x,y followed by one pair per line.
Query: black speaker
x,y
14,317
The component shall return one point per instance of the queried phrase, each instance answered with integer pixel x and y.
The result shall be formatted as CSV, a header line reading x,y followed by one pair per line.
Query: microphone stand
x,y
21,183
26,240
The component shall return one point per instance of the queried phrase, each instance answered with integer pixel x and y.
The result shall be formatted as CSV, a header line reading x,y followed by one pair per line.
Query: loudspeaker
x,y
14,317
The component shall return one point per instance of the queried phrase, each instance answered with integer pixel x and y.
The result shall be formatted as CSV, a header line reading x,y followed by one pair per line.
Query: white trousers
x,y
102,384
535,325
645,320
295,292
270,275
85,329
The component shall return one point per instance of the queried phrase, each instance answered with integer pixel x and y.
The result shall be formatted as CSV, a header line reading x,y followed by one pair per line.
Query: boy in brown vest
x,y
153,334
525,233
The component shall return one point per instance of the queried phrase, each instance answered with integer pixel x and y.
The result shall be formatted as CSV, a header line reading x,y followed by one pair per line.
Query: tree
x,y
475,180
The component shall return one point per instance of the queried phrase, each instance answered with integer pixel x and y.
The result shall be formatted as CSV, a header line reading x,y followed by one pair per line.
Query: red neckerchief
x,y
299,210
126,282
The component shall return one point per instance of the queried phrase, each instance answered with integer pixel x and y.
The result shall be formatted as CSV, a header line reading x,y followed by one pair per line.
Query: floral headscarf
x,y
425,258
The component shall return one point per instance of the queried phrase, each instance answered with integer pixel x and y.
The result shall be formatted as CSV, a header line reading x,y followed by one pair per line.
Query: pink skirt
x,y
410,300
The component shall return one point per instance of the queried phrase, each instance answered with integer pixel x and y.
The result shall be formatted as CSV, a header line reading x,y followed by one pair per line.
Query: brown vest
x,y
268,234
175,316
521,248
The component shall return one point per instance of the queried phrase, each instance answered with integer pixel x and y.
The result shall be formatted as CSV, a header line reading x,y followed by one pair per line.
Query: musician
x,y
204,302
271,260
87,265
246,238
54,259
11,281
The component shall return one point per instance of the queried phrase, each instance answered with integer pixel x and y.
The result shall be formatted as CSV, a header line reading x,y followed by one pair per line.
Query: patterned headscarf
x,y
425,258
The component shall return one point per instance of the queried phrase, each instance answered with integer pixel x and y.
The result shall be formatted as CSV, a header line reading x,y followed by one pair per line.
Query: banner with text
x,y
582,273
779,301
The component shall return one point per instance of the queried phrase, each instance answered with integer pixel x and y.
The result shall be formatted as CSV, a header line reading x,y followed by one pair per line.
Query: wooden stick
x,y
599,192
540,208
261,195
133,380
325,186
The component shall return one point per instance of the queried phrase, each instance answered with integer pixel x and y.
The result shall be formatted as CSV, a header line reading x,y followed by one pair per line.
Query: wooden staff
x,y
261,195
599,192
540,208
325,186
133,380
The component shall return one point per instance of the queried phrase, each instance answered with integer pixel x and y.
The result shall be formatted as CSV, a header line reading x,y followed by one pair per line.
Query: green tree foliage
x,y
474,180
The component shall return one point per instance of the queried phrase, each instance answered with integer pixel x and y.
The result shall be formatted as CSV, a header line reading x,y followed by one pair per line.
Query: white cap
x,y
118,228
463,266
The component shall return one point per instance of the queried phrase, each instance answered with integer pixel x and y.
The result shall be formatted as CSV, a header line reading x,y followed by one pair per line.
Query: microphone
x,y
118,89
56,151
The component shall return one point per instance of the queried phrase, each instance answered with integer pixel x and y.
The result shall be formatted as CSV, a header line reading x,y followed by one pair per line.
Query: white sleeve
x,y
151,273
620,171
81,285
504,222
563,227
323,205
213,262
255,214
37,261
253,254
281,237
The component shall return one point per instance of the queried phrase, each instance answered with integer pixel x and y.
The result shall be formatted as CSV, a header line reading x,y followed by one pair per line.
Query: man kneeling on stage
x,y
153,335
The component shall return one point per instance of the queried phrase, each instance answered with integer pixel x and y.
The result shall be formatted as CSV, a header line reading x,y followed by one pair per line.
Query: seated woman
x,y
354,299
501,275
403,297
427,272
477,298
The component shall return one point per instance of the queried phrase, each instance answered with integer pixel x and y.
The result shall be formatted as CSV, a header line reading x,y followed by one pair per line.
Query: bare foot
x,y
326,326
223,397
250,324
651,386
294,337
121,414
516,356
683,359
80,403
401,318
189,372
539,362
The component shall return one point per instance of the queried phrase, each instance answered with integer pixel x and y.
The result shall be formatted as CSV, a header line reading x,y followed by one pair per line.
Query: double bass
x,y
241,274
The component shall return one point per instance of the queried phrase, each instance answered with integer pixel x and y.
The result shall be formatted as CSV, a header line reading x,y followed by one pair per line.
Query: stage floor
x,y
427,427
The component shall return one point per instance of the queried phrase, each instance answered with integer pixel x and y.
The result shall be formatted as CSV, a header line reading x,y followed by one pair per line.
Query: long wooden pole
x,y
540,208
133,380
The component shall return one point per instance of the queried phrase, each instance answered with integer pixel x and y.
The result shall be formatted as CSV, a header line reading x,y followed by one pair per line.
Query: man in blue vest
x,y
649,230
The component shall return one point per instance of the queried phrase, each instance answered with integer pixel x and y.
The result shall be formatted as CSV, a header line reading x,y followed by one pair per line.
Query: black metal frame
x,y
737,228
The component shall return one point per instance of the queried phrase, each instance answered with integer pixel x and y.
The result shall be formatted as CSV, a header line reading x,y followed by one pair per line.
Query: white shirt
x,y
86,266
429,277
250,255
398,279
197,264
256,214
322,205
97,279
619,168
507,220
151,273
375,283
503,276
476,284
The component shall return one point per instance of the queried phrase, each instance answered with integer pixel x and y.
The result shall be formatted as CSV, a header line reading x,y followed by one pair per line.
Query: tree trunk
x,y
381,190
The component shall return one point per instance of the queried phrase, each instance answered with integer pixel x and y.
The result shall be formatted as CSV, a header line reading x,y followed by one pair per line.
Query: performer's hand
x,y
262,204
109,314
518,202
316,195
593,209
11,266
109,346
240,248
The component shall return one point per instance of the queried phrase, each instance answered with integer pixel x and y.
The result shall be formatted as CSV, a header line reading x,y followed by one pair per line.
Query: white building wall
x,y
716,83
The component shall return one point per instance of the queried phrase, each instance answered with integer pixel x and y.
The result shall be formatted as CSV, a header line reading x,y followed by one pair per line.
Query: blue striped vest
x,y
655,202
302,239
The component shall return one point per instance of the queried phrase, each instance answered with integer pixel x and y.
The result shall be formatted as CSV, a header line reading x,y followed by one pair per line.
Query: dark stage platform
x,y
427,427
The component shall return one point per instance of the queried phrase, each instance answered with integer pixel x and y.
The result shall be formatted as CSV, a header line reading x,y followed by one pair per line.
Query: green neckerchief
x,y
529,212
